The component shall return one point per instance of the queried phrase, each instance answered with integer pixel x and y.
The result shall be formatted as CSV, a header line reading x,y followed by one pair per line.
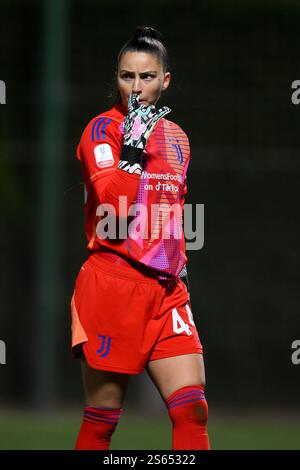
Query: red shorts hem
x,y
97,366
178,353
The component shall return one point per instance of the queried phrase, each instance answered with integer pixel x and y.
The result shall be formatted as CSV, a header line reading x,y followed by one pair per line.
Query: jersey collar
x,y
120,107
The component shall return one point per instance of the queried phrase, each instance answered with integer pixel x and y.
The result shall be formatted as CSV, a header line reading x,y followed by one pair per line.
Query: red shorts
x,y
122,318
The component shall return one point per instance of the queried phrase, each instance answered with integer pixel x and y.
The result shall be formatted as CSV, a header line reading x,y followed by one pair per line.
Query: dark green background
x,y
232,67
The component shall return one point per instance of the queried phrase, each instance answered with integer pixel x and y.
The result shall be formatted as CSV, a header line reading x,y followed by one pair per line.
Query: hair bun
x,y
147,32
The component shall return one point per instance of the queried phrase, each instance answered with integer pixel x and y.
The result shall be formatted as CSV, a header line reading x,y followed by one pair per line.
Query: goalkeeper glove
x,y
138,125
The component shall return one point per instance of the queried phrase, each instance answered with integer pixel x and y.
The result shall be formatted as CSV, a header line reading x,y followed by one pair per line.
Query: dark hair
x,y
145,39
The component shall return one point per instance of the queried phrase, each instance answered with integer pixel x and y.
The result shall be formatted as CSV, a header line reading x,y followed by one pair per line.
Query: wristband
x,y
131,159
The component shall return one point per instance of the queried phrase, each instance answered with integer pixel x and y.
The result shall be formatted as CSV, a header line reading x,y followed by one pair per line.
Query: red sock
x,y
188,411
97,428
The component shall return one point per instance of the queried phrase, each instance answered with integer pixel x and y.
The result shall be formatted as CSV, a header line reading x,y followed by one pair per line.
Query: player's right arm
x,y
99,154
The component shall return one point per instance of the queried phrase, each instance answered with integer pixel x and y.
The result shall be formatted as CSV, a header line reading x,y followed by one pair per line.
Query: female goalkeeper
x,y
131,307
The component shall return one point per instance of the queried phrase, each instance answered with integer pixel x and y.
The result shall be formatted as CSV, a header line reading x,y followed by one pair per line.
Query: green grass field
x,y
19,430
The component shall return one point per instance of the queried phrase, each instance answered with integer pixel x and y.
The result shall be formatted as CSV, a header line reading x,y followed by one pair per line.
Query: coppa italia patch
x,y
103,155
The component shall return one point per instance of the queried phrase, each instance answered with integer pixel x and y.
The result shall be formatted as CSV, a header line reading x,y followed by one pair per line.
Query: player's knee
x,y
188,405
109,403
97,427
201,412
107,418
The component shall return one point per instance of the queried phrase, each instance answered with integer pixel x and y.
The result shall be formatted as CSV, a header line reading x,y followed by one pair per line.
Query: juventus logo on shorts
x,y
104,346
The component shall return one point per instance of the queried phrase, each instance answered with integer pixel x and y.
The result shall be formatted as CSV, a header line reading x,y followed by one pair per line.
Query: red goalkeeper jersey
x,y
150,204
